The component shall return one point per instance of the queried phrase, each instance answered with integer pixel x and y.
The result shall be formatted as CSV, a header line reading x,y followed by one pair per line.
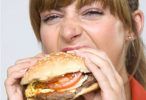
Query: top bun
x,y
53,65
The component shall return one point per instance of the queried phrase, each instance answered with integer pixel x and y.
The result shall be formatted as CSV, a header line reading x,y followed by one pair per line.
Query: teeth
x,y
70,52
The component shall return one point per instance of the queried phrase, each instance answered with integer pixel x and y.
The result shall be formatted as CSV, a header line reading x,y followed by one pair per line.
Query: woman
x,y
105,32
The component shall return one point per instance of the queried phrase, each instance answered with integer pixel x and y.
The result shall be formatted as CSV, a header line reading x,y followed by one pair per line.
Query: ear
x,y
138,17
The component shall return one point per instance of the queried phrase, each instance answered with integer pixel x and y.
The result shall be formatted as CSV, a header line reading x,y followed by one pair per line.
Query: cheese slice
x,y
31,91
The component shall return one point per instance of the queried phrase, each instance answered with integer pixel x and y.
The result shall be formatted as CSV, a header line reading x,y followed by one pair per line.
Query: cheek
x,y
106,33
49,39
108,36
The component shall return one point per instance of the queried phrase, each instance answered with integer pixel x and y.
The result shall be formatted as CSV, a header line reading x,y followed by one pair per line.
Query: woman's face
x,y
88,27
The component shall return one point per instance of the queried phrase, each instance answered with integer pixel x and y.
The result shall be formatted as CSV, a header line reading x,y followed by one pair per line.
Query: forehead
x,y
58,4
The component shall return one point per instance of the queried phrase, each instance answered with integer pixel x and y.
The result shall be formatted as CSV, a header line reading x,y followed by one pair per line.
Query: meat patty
x,y
55,96
65,95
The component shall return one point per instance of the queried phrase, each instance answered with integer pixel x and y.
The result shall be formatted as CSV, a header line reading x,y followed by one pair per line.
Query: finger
x,y
105,58
11,83
104,67
17,67
117,75
102,55
25,63
116,81
99,53
116,89
13,77
96,71
98,74
37,57
31,59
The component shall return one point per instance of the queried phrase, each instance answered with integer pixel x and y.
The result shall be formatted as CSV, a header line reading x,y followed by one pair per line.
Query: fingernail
x,y
24,70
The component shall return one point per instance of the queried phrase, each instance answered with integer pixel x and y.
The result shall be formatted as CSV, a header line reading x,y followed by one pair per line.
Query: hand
x,y
15,73
110,82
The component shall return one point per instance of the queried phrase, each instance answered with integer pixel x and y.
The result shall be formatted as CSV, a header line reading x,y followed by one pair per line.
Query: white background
x,y
17,40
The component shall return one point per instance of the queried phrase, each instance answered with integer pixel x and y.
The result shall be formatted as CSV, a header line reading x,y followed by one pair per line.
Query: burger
x,y
58,76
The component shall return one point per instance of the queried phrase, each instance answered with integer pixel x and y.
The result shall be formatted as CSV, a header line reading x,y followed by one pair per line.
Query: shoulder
x,y
137,91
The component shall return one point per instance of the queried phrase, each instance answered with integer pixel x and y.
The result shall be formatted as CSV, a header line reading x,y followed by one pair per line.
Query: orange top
x,y
138,92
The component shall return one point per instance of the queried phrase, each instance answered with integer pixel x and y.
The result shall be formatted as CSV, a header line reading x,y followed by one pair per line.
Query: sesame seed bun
x,y
53,65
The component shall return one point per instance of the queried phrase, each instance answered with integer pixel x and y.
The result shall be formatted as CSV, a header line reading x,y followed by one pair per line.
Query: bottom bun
x,y
87,90
72,95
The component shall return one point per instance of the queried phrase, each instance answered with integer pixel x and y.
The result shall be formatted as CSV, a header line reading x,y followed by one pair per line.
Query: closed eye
x,y
52,18
92,13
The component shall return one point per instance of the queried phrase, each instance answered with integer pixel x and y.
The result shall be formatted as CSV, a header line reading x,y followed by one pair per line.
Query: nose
x,y
70,30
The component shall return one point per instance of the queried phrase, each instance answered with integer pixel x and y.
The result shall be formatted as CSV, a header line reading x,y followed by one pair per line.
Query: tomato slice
x,y
65,81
